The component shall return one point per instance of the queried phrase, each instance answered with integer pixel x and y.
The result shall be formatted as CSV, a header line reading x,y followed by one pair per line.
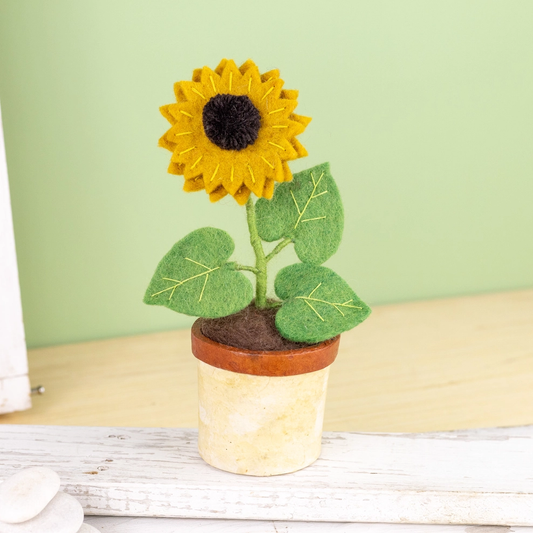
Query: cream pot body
x,y
261,413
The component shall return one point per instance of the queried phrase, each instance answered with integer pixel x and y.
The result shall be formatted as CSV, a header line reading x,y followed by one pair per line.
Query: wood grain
x,y
464,477
421,366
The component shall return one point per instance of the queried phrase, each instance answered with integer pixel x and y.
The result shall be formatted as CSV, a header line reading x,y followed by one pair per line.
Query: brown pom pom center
x,y
231,122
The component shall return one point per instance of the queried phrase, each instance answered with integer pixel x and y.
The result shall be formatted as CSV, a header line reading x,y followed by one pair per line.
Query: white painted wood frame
x,y
462,477
14,382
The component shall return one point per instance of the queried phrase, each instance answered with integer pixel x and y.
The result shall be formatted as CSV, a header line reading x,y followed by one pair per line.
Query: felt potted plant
x,y
263,362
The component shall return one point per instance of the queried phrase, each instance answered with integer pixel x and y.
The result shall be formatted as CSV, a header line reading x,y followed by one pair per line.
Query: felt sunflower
x,y
233,131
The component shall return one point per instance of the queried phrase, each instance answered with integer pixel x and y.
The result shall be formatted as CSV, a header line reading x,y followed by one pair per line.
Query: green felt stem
x,y
246,267
260,258
278,248
274,304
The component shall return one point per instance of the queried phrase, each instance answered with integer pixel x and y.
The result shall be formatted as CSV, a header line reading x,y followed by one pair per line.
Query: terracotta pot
x,y
261,413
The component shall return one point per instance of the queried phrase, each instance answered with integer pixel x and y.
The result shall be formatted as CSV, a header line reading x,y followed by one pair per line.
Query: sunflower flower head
x,y
233,131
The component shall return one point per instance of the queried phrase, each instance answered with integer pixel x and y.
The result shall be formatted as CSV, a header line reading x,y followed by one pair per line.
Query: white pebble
x,y
64,514
86,528
25,494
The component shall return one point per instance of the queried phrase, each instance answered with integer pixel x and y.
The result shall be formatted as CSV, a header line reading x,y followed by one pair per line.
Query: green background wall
x,y
424,109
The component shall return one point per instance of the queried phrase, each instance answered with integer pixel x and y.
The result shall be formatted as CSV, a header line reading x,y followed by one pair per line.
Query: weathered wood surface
x,y
463,477
188,525
14,382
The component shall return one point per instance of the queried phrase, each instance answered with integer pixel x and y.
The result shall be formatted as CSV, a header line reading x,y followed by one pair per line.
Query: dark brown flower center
x,y
231,122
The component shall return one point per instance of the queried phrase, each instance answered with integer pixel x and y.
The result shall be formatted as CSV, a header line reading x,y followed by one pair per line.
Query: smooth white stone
x,y
86,528
64,514
25,494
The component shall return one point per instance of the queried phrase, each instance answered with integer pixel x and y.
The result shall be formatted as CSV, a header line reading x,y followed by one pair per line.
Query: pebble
x,y
25,494
86,528
64,514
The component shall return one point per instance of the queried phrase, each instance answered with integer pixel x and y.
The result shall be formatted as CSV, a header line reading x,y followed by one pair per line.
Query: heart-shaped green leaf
x,y
318,304
308,210
195,278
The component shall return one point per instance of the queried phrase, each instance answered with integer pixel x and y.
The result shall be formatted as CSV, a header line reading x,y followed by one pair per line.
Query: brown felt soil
x,y
251,329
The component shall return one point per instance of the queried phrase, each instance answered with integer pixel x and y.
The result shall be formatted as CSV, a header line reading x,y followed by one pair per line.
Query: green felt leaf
x,y
307,209
318,304
195,278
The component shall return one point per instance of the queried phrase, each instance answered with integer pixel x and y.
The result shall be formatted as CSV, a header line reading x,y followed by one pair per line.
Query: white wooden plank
x,y
14,384
191,525
464,477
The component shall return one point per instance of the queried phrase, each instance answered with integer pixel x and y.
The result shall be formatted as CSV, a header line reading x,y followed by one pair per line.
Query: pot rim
x,y
261,362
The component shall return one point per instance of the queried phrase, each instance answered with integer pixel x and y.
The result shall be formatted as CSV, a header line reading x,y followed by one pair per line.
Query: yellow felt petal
x,y
230,77
286,172
278,109
249,66
289,94
284,149
196,74
213,178
221,66
304,121
173,110
194,169
279,135
279,172
269,93
176,168
194,91
184,111
216,195
242,195
255,180
231,187
180,113
251,79
186,155
196,184
232,178
181,134
180,95
182,144
270,75
294,128
300,149
267,165
165,143
165,111
268,190
210,81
